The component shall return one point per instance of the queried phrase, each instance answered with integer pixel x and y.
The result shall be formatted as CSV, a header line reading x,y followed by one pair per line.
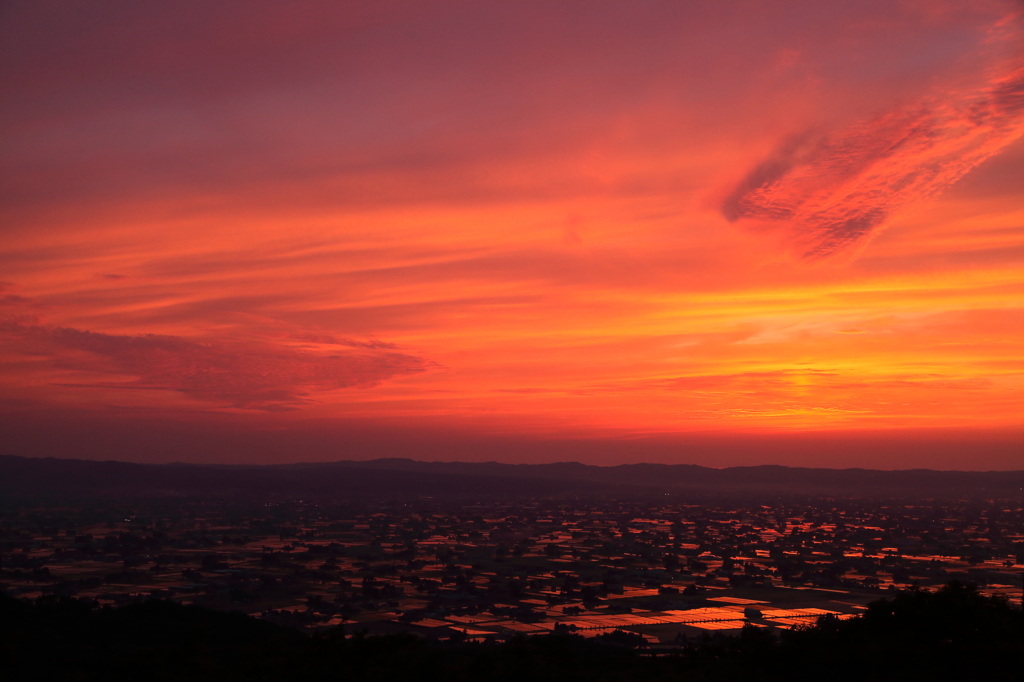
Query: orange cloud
x,y
831,190
237,374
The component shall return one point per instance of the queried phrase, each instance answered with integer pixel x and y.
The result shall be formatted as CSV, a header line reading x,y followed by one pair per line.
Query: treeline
x,y
954,633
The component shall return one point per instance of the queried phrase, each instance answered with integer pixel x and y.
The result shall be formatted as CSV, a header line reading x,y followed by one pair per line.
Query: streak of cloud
x,y
245,375
834,189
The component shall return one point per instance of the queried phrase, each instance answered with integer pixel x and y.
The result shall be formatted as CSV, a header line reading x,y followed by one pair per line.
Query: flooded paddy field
x,y
662,574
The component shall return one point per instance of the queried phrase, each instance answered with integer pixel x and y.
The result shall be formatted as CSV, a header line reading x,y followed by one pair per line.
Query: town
x,y
647,575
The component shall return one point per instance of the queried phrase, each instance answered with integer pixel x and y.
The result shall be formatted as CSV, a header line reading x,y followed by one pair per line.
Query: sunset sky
x,y
711,232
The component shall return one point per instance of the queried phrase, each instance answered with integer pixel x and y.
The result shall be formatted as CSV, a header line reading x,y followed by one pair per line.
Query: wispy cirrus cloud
x,y
243,374
832,189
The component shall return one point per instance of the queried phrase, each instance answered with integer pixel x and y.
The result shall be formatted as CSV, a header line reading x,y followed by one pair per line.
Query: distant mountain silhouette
x,y
766,478
22,477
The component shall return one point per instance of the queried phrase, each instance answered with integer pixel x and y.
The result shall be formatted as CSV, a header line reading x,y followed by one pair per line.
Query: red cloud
x,y
247,375
832,190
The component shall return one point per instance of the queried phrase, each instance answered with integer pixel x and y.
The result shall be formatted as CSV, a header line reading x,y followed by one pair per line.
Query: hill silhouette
x,y
954,633
22,477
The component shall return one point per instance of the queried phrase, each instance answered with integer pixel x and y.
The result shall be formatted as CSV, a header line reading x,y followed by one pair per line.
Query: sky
x,y
740,233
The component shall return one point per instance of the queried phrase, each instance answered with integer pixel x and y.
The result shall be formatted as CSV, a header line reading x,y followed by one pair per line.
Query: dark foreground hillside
x,y
953,634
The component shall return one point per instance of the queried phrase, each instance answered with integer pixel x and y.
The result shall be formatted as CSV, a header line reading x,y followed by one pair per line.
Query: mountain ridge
x,y
400,477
